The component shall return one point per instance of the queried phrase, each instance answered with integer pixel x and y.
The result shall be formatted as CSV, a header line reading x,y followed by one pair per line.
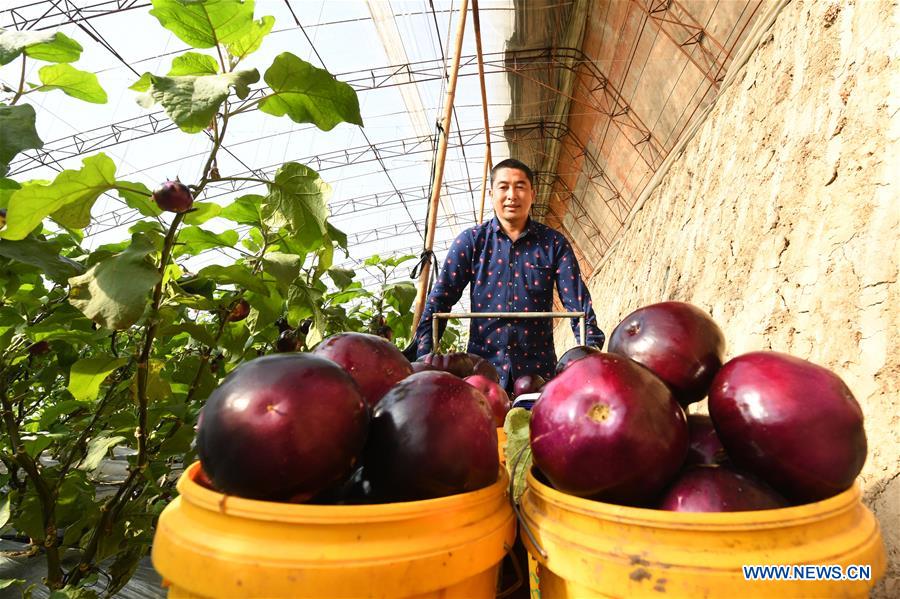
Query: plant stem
x,y
263,181
46,496
218,135
21,83
143,365
111,509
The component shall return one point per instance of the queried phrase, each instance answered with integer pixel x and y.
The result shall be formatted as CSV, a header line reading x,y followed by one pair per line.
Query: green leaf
x,y
307,94
251,41
97,449
297,200
72,82
192,102
198,240
34,447
234,274
123,567
142,84
342,277
8,582
202,212
400,295
337,236
246,210
4,513
193,63
191,328
35,201
205,24
518,451
284,267
17,133
70,592
114,292
42,254
13,42
139,197
61,48
51,414
88,374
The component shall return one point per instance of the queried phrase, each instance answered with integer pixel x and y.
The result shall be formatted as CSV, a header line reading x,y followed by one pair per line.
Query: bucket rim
x,y
751,519
255,509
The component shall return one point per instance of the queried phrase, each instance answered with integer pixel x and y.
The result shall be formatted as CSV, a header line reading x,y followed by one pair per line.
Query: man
x,y
512,264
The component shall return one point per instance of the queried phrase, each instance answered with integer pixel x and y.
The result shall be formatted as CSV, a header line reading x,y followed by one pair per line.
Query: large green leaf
x,y
307,94
36,200
284,267
205,23
202,212
342,277
139,197
61,48
72,82
517,450
189,63
194,240
246,210
97,449
193,63
251,41
86,375
191,102
114,292
234,274
400,295
297,200
42,254
13,42
17,133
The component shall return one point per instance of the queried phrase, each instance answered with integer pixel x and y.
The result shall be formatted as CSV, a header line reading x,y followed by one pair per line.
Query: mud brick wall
x,y
782,219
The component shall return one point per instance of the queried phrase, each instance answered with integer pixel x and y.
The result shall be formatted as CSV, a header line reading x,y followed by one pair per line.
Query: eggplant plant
x,y
120,345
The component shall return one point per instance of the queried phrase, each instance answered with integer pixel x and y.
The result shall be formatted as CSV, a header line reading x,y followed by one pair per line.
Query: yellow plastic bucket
x,y
501,444
211,545
594,549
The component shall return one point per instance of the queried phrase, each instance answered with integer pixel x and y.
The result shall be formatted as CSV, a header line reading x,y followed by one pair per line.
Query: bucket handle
x,y
520,576
515,505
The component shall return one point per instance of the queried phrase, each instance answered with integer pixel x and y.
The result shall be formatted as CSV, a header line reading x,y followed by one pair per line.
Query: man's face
x,y
512,195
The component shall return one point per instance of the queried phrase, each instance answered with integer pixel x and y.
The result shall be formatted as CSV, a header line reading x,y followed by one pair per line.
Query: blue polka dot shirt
x,y
511,276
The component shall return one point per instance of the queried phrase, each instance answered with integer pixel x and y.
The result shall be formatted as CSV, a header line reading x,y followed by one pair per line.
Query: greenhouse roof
x,y
594,95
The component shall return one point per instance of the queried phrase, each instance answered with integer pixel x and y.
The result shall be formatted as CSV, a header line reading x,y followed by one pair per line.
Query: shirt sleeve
x,y
575,297
455,275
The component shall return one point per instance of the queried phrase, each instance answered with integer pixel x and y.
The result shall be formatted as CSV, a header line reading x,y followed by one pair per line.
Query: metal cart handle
x,y
437,316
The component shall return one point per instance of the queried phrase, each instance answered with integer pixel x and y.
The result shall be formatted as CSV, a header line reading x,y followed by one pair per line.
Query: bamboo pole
x,y
488,161
439,168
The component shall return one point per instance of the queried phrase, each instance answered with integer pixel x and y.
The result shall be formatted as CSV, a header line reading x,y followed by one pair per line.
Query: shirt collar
x,y
497,228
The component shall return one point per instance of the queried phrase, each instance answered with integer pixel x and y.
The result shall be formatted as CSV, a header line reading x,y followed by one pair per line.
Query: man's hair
x,y
516,164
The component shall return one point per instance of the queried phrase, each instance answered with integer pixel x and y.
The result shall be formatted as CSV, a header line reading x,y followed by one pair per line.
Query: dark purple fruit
x,y
608,428
432,435
528,383
705,446
39,348
483,367
287,342
173,196
790,422
282,426
422,367
679,342
494,393
456,363
576,353
374,363
718,489
239,312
